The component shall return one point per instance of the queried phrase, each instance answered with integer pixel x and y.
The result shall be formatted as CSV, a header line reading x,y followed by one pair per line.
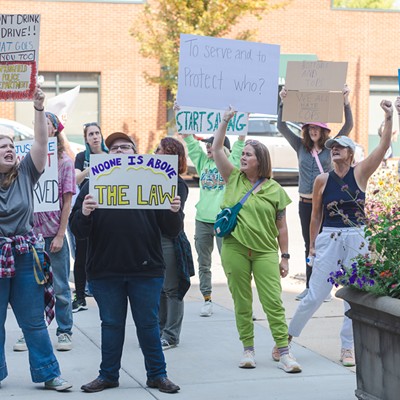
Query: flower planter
x,y
376,325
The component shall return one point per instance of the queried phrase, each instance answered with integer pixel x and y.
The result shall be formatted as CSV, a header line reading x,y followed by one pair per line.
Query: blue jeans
x,y
61,269
111,295
27,300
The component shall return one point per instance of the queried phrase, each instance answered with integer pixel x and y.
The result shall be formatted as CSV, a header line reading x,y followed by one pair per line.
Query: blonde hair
x,y
12,174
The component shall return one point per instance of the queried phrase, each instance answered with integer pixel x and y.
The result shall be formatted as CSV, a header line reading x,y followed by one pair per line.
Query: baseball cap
x,y
342,141
210,140
119,135
320,124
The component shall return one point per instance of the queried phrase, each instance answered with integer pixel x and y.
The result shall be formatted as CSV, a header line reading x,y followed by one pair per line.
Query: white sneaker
x,y
58,384
347,358
289,364
20,345
64,342
206,309
248,360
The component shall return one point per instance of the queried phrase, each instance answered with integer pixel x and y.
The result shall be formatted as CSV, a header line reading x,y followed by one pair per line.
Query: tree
x,y
375,4
159,26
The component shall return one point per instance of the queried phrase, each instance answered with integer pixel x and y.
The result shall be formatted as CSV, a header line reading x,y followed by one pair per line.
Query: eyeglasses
x,y
123,147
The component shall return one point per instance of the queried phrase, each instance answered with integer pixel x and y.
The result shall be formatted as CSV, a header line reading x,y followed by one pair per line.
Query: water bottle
x,y
40,243
310,261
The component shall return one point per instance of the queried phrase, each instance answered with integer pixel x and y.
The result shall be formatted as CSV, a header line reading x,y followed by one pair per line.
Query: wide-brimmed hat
x,y
210,140
342,141
320,124
119,135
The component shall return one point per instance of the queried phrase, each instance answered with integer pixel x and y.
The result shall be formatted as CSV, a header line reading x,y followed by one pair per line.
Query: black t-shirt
x,y
81,164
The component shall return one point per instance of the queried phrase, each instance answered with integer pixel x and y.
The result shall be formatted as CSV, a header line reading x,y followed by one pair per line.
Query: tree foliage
x,y
375,4
159,26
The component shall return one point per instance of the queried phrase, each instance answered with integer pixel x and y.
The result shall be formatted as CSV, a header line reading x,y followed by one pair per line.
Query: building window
x,y
86,108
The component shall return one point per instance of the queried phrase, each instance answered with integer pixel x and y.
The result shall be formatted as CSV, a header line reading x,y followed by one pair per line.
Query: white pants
x,y
332,245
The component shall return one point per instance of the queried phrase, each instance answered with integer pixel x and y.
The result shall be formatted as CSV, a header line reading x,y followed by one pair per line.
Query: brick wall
x,y
78,36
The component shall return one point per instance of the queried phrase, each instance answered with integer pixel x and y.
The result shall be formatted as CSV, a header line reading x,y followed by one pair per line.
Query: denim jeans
x,y
27,301
204,242
112,295
61,266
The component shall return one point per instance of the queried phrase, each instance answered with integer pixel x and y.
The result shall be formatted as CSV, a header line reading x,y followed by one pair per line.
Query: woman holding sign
x,y
314,159
18,285
252,247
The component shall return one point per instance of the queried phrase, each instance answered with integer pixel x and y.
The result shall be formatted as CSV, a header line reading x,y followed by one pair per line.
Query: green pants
x,y
240,263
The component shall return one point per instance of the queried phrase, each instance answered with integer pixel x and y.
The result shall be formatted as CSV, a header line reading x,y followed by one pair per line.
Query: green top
x,y
256,227
212,185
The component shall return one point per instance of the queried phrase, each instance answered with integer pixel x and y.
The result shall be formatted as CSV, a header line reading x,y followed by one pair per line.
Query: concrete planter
x,y
376,325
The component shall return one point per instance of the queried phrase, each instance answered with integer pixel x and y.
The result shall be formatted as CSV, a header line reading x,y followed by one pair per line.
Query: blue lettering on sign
x,y
106,165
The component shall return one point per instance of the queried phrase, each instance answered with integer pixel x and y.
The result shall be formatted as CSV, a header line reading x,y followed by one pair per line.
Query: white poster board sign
x,y
133,180
45,192
193,120
216,73
19,55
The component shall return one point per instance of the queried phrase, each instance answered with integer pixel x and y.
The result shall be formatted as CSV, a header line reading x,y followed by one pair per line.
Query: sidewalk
x,y
204,364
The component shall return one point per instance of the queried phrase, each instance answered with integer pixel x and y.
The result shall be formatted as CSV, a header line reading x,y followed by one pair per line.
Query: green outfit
x,y
212,189
252,249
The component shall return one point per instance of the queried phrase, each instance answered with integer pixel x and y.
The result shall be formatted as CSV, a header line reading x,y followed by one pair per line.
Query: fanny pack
x,y
227,219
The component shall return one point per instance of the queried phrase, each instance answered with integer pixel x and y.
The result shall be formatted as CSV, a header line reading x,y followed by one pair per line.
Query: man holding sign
x,y
125,262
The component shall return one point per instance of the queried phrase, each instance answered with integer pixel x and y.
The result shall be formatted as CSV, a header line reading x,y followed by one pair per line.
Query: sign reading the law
x,y
204,120
133,180
314,91
215,73
45,192
19,53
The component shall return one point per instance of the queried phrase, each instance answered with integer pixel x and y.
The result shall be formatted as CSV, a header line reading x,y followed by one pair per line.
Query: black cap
x,y
210,140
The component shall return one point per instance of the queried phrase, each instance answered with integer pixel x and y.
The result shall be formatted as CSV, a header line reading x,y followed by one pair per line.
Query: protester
x,y
212,188
252,247
125,262
342,236
314,159
18,285
178,259
94,143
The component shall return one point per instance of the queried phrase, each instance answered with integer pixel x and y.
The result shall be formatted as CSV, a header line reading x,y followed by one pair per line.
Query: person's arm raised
x,y
224,166
39,146
364,169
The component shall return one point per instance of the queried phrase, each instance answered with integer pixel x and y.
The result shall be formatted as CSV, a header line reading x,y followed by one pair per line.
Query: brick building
x,y
88,43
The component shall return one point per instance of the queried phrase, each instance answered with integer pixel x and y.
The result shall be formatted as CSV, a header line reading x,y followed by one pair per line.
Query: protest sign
x,y
203,120
19,55
45,192
133,180
62,104
215,73
314,91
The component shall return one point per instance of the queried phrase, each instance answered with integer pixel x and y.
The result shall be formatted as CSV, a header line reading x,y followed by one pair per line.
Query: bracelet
x,y
38,109
227,121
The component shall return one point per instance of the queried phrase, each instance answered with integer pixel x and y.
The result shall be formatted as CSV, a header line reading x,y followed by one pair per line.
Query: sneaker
x,y
206,309
20,345
276,356
328,298
347,358
302,295
166,345
248,360
58,384
64,342
79,305
289,364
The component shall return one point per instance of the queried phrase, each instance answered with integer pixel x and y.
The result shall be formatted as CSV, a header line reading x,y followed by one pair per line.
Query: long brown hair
x,y
173,146
307,141
12,174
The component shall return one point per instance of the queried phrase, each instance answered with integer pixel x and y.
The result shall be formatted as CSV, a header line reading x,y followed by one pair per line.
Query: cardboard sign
x,y
133,180
203,120
313,106
316,75
19,55
45,192
215,73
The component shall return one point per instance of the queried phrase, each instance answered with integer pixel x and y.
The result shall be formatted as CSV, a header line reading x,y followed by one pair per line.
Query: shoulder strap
x,y
340,182
246,196
315,154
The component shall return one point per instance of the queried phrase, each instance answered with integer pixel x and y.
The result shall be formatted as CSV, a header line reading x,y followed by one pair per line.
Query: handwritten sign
x,y
203,120
215,72
316,75
19,51
133,180
45,192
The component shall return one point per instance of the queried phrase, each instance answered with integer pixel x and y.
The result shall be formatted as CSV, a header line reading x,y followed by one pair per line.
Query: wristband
x,y
38,109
